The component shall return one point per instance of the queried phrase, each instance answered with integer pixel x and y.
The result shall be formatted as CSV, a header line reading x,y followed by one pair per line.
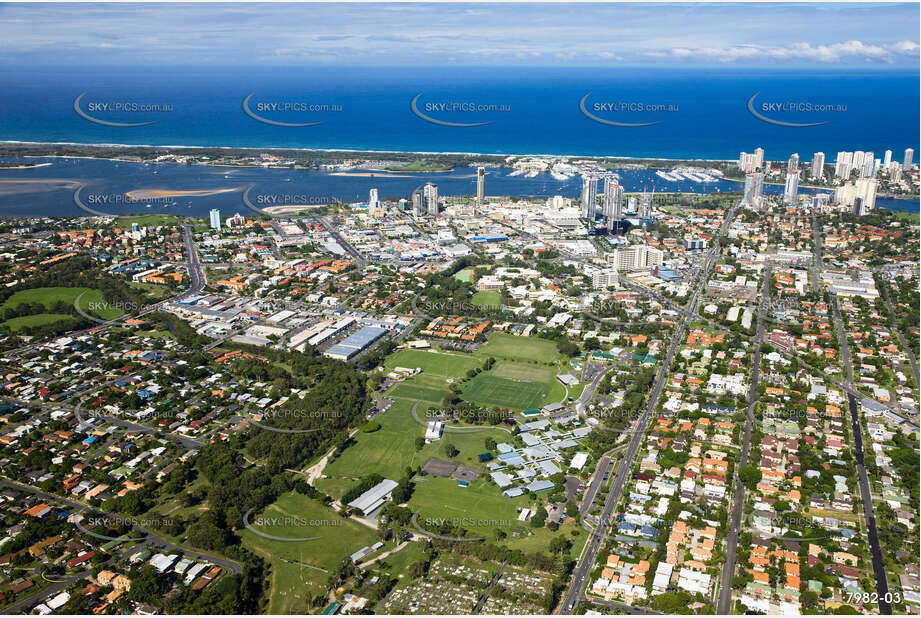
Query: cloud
x,y
836,52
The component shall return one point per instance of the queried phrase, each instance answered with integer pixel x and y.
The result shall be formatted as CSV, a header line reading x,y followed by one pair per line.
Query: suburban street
x,y
882,585
587,561
724,604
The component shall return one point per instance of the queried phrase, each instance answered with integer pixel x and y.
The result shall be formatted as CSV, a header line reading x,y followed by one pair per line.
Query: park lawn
x,y
396,564
438,363
486,299
50,296
152,290
521,349
464,275
523,372
300,568
391,449
426,388
482,509
492,391
575,391
39,319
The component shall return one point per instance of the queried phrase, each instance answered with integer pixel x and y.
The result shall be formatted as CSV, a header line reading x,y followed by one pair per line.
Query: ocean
x,y
687,114
699,113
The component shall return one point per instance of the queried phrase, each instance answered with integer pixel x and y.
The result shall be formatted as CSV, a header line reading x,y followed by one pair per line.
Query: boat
x,y
560,176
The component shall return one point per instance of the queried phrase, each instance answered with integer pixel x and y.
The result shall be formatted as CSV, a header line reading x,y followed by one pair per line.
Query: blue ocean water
x,y
703,113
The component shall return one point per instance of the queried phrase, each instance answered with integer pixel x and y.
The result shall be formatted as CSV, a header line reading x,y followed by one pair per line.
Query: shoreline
x,y
257,149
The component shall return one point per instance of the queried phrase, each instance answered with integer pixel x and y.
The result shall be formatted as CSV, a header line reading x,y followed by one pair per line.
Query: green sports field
x,y
523,372
486,299
464,275
48,297
491,391
533,349
39,319
439,363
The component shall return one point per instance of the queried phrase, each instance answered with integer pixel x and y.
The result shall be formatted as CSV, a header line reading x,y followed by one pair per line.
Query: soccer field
x,y
501,345
492,391
437,363
522,372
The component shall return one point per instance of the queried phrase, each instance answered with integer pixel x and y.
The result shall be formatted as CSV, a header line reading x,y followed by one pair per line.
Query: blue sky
x,y
786,36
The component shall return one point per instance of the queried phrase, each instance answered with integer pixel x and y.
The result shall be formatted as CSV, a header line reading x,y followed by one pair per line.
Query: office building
x,y
887,159
645,207
589,196
637,257
373,203
865,188
418,204
430,195
793,162
859,209
868,169
909,159
843,164
754,188
604,279
857,161
820,202
215,219
613,202
480,184
790,188
818,165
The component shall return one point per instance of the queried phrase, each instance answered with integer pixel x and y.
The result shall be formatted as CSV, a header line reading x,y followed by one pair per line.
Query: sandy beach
x,y
152,194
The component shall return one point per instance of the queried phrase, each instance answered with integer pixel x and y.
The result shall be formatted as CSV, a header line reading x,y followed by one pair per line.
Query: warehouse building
x,y
355,343
372,499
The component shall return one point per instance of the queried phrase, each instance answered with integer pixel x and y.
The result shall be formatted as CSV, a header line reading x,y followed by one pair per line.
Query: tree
x,y
567,347
750,476
450,450
539,518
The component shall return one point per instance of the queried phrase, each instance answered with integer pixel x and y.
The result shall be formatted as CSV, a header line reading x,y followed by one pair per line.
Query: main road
x,y
580,575
876,554
738,498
